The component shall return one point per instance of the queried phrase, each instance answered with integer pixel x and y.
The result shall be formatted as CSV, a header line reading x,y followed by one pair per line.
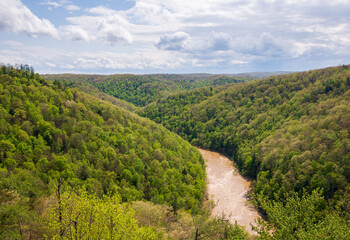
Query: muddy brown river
x,y
227,188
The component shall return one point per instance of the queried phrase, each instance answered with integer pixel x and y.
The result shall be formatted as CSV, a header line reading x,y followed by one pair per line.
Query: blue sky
x,y
174,36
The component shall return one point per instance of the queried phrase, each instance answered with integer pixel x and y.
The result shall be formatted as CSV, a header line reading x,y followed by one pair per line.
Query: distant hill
x,y
141,90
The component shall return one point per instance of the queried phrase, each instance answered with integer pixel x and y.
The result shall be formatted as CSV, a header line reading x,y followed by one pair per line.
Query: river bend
x,y
228,189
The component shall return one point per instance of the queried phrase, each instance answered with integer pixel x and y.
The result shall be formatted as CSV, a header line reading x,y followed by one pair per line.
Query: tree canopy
x,y
288,133
52,135
141,90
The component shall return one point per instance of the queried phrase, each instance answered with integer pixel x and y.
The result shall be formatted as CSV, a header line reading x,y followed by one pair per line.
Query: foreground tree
x,y
84,216
305,217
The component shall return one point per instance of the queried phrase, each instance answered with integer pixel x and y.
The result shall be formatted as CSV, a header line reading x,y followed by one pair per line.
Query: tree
x,y
6,147
84,216
301,218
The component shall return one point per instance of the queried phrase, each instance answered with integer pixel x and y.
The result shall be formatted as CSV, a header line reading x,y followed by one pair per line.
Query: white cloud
x,y
185,10
99,62
75,33
113,29
68,5
50,64
144,13
17,18
51,3
208,34
264,45
13,43
220,41
42,59
72,7
176,41
101,10
137,61
107,26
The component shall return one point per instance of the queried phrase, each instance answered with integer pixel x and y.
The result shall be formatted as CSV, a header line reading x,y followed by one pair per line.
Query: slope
x,y
54,139
290,133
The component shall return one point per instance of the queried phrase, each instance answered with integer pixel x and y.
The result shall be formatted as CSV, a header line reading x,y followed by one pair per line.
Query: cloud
x,y
143,13
266,45
99,62
101,10
220,41
17,18
75,33
68,5
203,34
113,62
72,7
51,3
50,65
93,61
174,42
105,26
112,29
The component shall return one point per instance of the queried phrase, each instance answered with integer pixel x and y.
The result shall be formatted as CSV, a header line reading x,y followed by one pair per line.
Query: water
x,y
228,189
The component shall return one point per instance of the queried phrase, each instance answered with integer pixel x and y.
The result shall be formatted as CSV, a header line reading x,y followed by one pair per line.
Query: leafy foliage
x,y
186,226
301,218
290,133
272,127
85,216
141,90
53,135
168,110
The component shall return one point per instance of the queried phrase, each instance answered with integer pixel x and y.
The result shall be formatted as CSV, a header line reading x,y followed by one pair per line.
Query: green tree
x,y
85,216
303,217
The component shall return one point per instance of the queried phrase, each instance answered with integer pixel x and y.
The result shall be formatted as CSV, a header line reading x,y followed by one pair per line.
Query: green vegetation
x,y
167,109
85,216
94,91
73,166
141,90
305,217
186,226
290,133
55,140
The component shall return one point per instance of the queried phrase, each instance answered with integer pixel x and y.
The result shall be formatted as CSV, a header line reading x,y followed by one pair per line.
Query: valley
x,y
71,140
174,120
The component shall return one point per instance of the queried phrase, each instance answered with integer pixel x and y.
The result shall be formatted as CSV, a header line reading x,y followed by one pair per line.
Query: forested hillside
x,y
61,146
290,133
141,90
71,163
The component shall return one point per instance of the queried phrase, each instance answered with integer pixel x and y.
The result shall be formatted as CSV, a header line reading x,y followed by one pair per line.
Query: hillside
x,y
72,163
141,90
289,133
57,142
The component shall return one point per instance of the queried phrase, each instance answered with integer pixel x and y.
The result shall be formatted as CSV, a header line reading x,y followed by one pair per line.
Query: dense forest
x,y
69,162
141,90
75,163
288,133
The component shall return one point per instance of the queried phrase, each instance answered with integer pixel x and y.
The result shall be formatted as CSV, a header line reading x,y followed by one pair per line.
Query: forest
x,y
288,133
80,160
66,157
141,90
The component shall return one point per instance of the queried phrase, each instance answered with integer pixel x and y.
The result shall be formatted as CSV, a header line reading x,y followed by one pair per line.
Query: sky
x,y
174,36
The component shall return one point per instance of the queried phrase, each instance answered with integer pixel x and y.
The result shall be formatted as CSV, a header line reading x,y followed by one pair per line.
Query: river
x,y
228,189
